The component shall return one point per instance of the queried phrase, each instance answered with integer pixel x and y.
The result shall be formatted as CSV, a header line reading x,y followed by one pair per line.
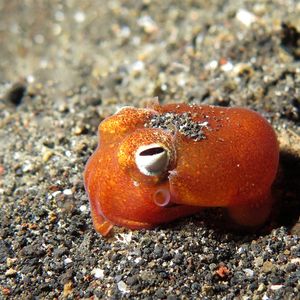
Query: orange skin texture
x,y
233,167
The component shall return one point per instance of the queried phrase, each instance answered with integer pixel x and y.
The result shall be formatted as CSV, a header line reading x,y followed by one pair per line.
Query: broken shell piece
x,y
152,160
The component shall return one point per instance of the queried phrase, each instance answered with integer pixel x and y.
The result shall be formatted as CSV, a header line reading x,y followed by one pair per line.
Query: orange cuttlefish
x,y
157,164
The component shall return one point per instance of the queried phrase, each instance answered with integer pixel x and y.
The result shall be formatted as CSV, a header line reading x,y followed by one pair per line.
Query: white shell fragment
x,y
152,160
98,273
245,17
122,286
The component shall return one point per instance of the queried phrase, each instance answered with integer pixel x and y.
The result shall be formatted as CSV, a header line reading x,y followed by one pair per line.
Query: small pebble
x,y
249,272
83,208
258,261
122,286
267,267
276,287
67,192
68,261
98,273
245,17
10,272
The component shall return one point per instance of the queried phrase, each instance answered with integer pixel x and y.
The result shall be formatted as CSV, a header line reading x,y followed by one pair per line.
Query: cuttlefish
x,y
155,165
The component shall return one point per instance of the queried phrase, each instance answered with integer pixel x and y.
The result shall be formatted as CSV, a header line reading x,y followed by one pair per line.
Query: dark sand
x,y
65,67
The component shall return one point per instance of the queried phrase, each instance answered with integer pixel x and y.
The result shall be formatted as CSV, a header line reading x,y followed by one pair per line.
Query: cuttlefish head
x,y
128,176
148,156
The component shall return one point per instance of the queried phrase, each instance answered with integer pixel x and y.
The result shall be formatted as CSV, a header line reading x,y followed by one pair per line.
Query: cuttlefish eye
x,y
147,155
152,160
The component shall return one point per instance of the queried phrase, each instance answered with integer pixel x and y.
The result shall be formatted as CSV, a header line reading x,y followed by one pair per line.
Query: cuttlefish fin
x,y
252,213
102,225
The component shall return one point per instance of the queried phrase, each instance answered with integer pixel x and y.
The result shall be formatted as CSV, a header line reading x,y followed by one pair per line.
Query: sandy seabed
x,y
64,67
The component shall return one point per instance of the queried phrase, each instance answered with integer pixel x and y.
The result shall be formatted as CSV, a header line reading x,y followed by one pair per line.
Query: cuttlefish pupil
x,y
152,151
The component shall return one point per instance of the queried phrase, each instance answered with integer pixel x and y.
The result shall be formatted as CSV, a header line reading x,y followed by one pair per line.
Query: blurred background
x,y
217,52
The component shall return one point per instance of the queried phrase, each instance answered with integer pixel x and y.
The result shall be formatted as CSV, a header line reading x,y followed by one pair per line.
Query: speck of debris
x,y
182,123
